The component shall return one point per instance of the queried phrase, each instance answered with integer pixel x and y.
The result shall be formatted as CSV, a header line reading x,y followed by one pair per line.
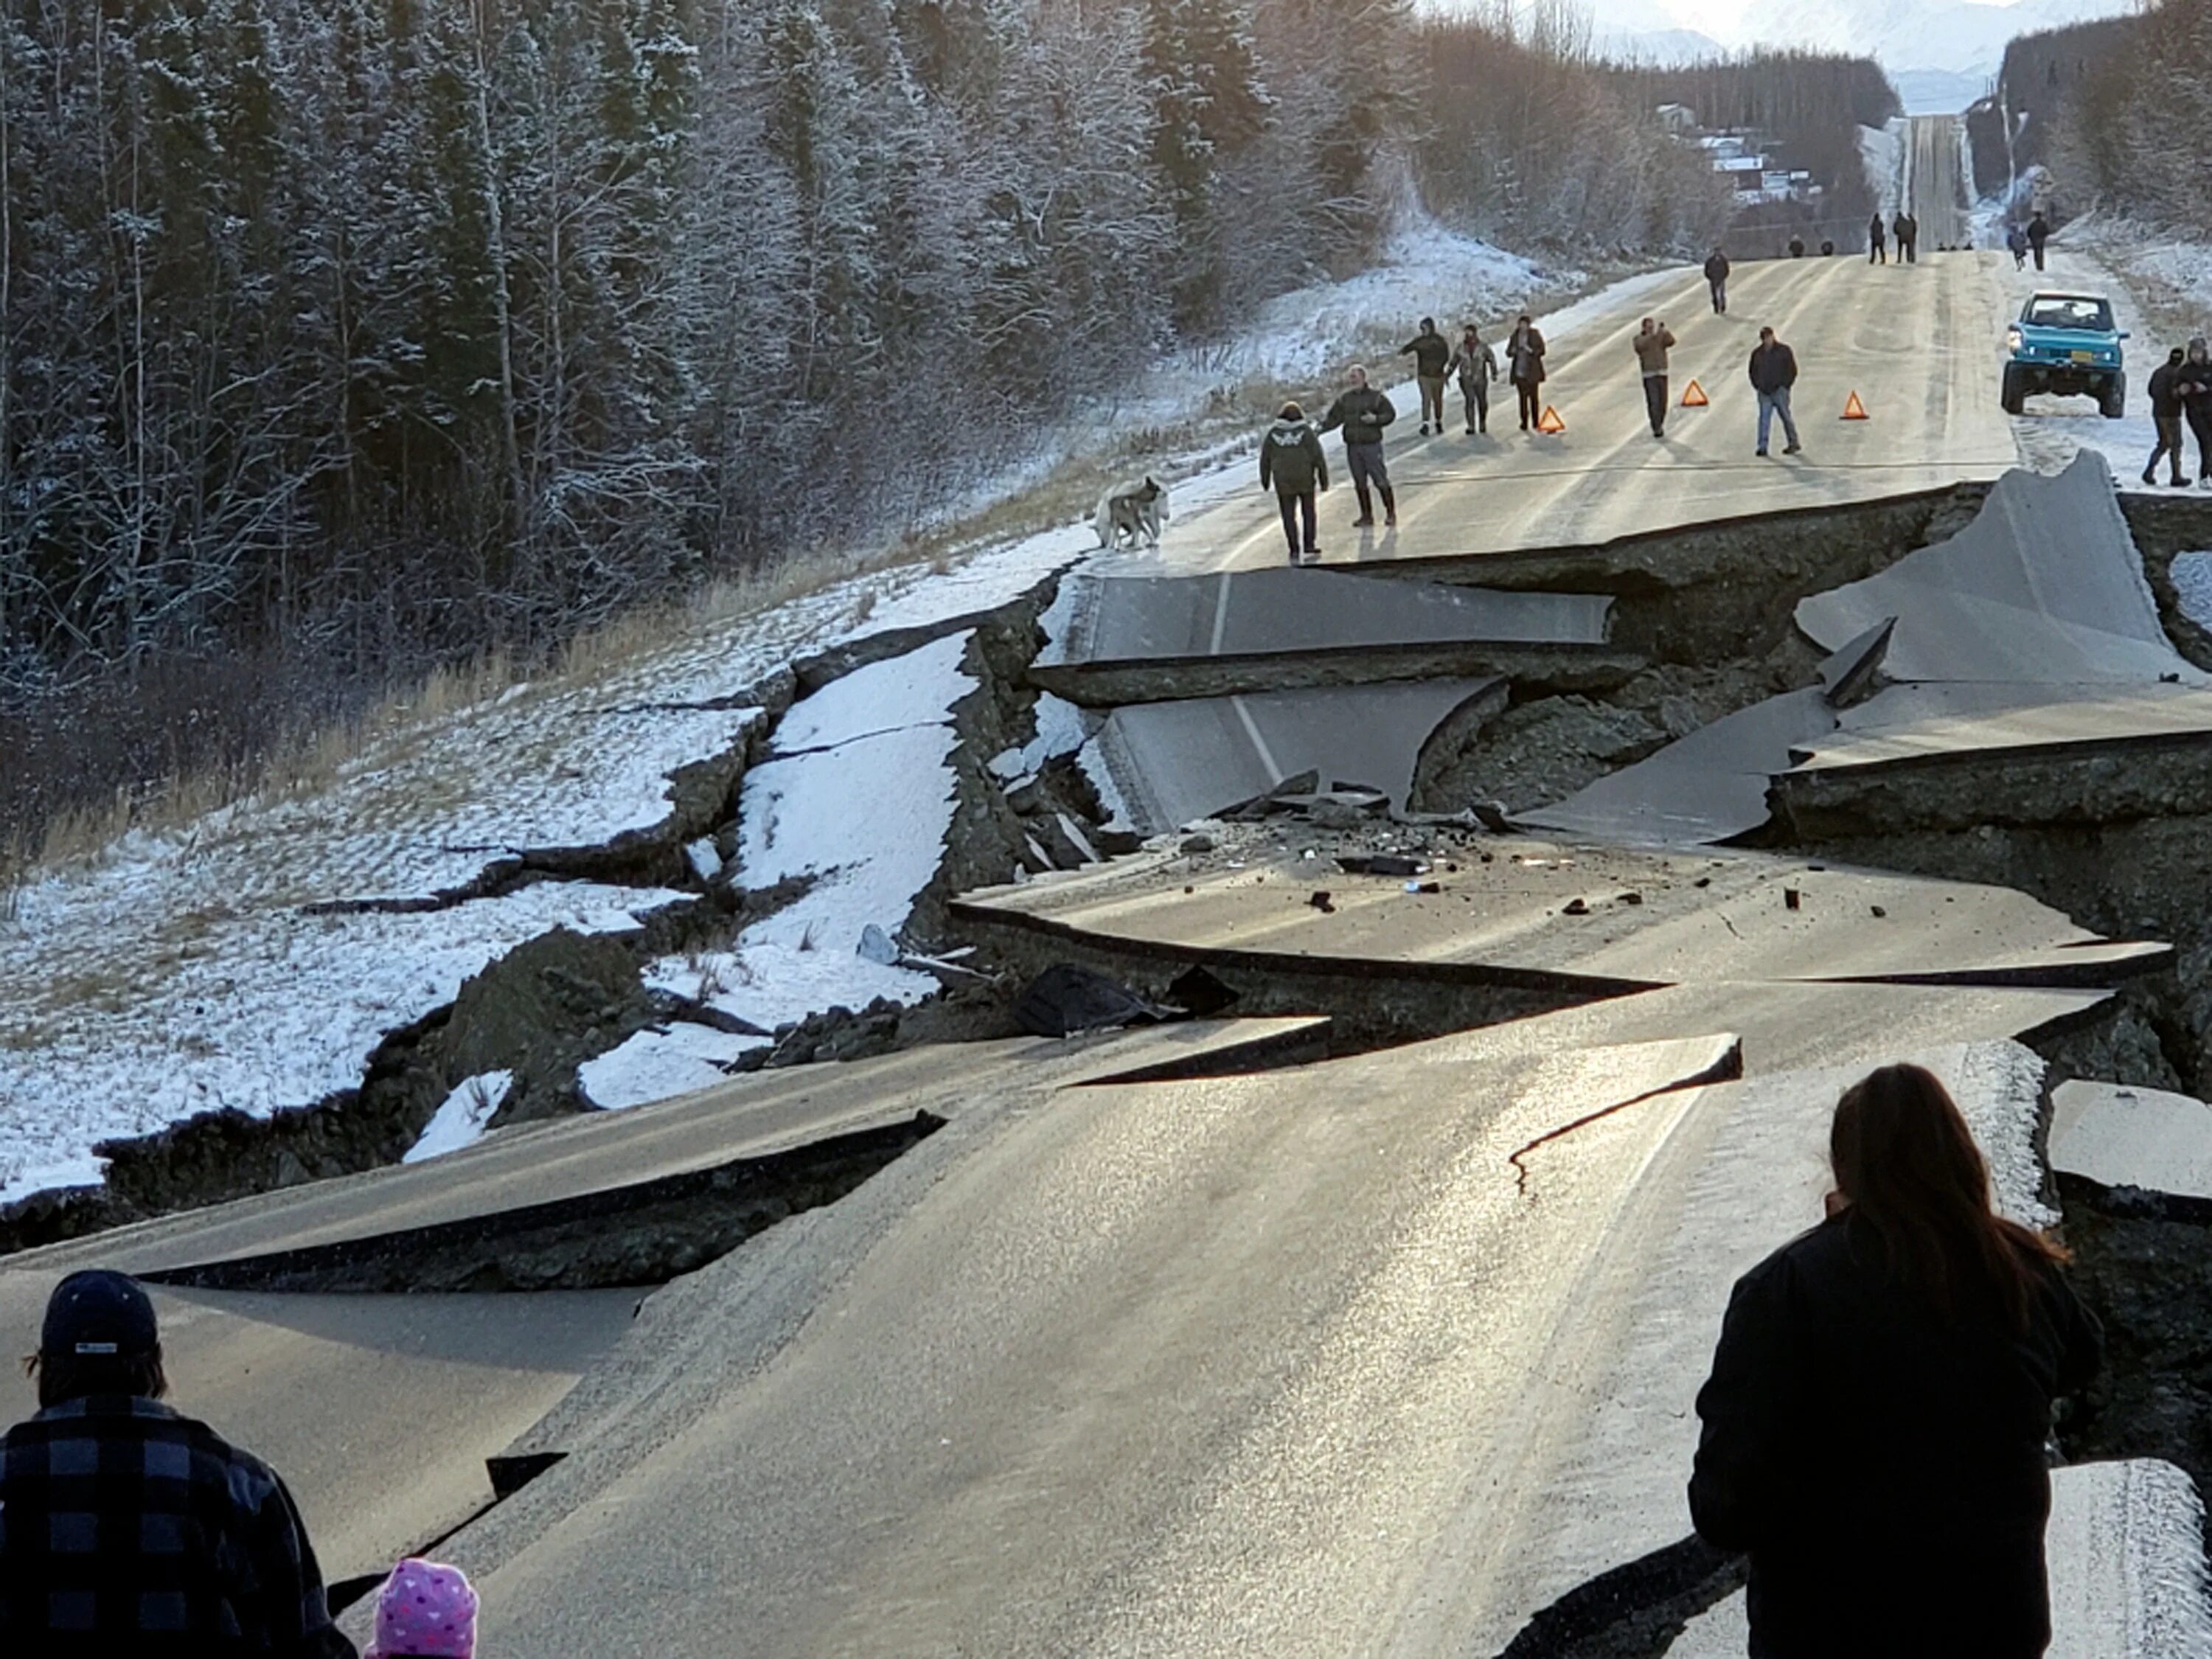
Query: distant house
x,y
1753,174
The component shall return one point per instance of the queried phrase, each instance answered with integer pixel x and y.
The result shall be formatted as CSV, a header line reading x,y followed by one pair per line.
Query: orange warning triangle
x,y
1549,423
1694,398
1853,408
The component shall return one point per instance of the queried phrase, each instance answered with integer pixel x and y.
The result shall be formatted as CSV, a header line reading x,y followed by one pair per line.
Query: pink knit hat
x,y
427,1609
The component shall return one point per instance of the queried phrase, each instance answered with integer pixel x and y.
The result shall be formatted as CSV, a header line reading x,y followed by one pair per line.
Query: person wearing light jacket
x,y
1476,365
1653,342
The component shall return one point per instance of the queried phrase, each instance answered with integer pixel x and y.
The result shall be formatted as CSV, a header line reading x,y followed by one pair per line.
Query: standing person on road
x,y
1431,354
127,1528
2038,233
1716,275
1877,247
1901,227
1773,372
1653,342
2016,240
1294,465
2196,405
1880,1398
2169,389
1476,365
1362,412
1524,367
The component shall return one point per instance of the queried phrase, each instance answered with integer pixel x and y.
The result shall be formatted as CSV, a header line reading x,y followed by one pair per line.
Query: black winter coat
x,y
1884,1467
1432,352
1772,368
1525,356
1290,458
1362,412
2039,230
1717,268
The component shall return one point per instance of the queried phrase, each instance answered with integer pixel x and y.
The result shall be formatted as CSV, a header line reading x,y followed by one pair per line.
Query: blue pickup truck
x,y
2067,344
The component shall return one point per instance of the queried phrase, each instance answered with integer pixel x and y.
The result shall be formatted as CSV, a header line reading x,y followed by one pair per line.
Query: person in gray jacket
x,y
1293,465
1362,412
1476,365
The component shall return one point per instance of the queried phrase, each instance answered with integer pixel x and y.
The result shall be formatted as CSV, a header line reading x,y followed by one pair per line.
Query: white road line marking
x,y
1252,731
1220,618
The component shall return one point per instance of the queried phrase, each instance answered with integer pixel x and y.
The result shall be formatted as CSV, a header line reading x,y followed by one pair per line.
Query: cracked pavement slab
x,y
1508,909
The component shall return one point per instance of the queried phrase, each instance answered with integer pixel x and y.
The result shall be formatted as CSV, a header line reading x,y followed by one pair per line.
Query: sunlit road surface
x,y
1932,180
1919,343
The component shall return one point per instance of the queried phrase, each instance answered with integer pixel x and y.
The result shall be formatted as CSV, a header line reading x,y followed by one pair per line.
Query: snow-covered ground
x,y
1881,151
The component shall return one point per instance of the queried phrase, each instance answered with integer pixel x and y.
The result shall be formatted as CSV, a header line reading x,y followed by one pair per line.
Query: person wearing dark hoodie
x,y
2169,390
2038,233
1476,365
1362,412
1877,241
1431,354
2196,405
1716,275
1874,1425
1293,465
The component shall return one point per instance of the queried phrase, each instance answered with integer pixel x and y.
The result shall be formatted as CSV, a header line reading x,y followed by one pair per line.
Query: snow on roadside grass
x,y
859,799
252,1011
1426,271
174,972
661,1064
463,1117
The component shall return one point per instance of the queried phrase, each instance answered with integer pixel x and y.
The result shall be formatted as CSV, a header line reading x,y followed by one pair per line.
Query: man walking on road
x,y
2016,240
2038,233
2168,388
1877,247
1524,367
1716,275
1652,342
2196,405
1293,465
1773,372
1362,412
1476,365
127,1528
1431,354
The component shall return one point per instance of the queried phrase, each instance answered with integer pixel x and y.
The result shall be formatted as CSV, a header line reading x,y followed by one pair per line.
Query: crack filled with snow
x,y
463,1117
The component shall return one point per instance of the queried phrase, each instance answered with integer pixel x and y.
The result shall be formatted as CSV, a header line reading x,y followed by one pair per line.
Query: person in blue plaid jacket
x,y
126,1527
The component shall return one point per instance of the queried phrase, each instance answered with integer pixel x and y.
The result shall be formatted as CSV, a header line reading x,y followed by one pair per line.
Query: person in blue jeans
x,y
1773,372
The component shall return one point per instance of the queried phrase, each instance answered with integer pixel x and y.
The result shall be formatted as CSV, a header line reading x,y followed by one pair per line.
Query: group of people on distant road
x,y
2024,239
2181,397
1294,465
1904,227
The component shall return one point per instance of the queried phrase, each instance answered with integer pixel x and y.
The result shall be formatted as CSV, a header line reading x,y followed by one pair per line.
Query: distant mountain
x,y
1937,92
1959,36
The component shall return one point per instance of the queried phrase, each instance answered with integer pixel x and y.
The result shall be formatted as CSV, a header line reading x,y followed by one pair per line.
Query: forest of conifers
x,y
342,337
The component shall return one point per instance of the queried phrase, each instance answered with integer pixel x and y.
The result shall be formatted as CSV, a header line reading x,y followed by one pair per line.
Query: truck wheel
x,y
2014,395
2113,400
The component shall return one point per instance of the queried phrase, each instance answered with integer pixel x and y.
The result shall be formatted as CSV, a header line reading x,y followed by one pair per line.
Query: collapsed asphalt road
x,y
1035,1346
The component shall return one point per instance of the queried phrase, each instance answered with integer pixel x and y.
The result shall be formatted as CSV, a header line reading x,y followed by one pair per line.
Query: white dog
x,y
1132,512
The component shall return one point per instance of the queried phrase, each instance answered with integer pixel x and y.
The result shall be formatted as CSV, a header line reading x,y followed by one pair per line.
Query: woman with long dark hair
x,y
1876,1423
